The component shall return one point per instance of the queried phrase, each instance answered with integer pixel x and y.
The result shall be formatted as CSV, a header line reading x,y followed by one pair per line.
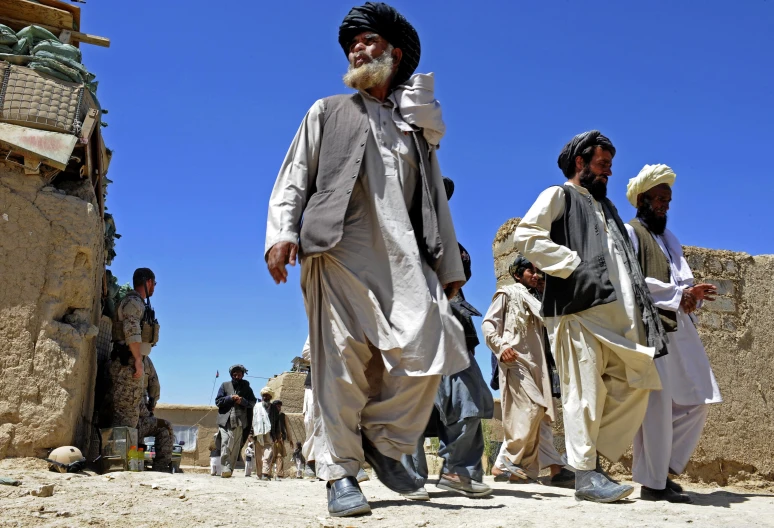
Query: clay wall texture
x,y
738,333
51,264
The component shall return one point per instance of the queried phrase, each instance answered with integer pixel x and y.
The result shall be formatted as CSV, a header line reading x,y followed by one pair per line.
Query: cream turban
x,y
649,177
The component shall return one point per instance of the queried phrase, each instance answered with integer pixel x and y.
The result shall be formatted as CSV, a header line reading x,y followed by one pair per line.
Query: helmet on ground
x,y
67,459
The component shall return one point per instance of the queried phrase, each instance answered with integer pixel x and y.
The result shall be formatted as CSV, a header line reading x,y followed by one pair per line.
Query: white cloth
x,y
691,380
547,453
215,466
372,300
649,177
417,106
605,369
309,423
261,422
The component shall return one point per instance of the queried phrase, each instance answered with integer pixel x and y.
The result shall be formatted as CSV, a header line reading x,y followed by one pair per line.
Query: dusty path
x,y
182,500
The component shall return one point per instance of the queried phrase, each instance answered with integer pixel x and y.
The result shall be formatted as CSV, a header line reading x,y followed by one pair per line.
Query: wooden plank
x,y
75,11
53,148
38,14
75,36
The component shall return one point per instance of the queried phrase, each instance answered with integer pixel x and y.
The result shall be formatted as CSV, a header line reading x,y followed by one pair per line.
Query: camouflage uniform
x,y
127,391
150,425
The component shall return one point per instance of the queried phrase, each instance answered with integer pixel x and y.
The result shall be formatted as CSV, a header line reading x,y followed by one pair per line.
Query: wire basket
x,y
29,98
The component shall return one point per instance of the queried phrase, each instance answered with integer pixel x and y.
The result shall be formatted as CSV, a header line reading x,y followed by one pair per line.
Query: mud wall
x,y
51,264
738,333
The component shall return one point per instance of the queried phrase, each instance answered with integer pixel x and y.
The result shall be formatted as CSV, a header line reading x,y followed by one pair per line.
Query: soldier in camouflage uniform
x,y
134,334
149,425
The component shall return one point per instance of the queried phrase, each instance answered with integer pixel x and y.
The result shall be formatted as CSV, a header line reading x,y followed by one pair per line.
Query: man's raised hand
x,y
281,254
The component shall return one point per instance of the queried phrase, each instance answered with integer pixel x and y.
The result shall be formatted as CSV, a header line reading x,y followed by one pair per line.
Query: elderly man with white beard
x,y
676,414
360,197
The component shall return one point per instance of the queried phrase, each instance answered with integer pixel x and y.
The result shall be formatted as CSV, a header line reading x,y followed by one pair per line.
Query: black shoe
x,y
345,498
605,473
389,471
674,486
666,494
564,479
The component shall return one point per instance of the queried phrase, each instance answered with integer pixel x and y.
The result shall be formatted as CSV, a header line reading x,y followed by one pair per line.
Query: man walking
x,y
462,401
262,434
603,327
234,399
676,414
379,256
513,330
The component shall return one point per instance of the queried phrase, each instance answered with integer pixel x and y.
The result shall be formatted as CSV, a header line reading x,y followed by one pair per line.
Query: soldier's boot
x,y
163,459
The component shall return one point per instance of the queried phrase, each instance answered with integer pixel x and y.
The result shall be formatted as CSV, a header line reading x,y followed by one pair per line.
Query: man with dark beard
x,y
602,325
676,414
234,398
379,257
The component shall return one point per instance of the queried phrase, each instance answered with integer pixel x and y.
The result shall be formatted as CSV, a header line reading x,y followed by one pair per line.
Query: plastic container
x,y
132,458
141,459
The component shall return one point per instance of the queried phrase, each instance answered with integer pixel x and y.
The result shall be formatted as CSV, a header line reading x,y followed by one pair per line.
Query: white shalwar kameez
x,y
676,414
606,371
380,326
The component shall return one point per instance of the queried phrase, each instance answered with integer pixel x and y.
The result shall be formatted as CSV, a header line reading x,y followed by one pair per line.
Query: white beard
x,y
370,74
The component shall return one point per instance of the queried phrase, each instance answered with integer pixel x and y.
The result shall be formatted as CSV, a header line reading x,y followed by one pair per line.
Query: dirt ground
x,y
188,499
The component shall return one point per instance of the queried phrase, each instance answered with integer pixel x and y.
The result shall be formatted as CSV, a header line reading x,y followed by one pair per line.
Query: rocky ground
x,y
188,499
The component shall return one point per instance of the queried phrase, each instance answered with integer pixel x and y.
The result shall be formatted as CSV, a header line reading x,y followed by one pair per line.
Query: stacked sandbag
x,y
46,54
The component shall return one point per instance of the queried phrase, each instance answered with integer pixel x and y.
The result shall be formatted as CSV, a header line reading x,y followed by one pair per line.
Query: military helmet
x,y
66,459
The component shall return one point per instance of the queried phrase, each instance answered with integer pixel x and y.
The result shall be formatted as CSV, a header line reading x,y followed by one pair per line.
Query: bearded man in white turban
x,y
676,414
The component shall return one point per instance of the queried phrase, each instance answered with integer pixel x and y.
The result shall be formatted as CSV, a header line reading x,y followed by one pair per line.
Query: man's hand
x,y
237,399
508,355
281,254
688,301
703,292
453,288
138,369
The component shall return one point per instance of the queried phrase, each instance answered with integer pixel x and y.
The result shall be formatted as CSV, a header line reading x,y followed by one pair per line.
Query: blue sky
x,y
204,99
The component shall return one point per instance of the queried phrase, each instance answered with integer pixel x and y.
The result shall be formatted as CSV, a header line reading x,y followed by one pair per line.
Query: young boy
x,y
249,455
298,460
215,455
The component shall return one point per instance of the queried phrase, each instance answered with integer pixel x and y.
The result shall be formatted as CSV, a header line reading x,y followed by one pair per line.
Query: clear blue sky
x,y
205,97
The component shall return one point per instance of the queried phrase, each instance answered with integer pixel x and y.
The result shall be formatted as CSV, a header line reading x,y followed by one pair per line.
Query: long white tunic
x,y
686,367
395,297
618,323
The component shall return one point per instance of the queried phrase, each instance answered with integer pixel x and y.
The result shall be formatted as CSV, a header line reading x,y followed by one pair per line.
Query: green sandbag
x,y
57,48
5,49
75,65
56,69
7,35
22,47
35,34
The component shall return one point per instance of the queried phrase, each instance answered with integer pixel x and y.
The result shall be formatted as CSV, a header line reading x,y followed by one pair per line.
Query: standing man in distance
x,y
235,398
135,332
603,327
676,414
379,256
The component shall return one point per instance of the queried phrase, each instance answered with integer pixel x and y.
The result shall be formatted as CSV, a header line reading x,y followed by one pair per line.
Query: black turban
x,y
389,24
577,145
519,265
448,185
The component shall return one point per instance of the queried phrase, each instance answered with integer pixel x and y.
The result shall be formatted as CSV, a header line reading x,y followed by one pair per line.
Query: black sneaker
x,y
666,494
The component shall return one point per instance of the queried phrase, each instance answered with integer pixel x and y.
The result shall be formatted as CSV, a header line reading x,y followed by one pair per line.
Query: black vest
x,y
589,285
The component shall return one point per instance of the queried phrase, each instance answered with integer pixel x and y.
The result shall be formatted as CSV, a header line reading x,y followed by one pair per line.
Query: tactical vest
x,y
149,325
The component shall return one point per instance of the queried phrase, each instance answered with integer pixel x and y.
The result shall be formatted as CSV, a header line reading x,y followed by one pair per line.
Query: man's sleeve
x,y
450,267
533,236
223,401
492,326
132,311
295,180
249,400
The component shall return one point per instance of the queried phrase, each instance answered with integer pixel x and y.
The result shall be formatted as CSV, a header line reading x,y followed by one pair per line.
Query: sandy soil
x,y
187,499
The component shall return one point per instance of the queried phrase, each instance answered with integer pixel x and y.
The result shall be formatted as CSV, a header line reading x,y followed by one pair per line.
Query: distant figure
x,y
676,414
298,460
379,259
149,425
309,416
262,434
234,399
603,327
249,456
280,433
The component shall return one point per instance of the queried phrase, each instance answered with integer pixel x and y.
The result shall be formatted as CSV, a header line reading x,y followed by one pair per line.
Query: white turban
x,y
649,177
